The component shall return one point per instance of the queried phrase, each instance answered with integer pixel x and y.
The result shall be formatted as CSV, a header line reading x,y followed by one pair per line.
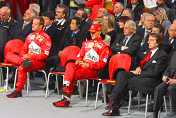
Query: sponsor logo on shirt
x,y
33,47
91,55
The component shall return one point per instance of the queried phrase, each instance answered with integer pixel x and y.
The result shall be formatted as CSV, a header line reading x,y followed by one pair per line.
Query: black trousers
x,y
160,91
120,86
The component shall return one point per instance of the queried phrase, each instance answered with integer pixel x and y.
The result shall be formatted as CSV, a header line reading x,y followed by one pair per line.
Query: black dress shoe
x,y
111,104
26,63
112,112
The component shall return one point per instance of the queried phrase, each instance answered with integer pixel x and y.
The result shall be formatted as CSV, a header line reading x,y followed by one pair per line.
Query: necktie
x,y
24,25
144,39
147,58
125,41
73,34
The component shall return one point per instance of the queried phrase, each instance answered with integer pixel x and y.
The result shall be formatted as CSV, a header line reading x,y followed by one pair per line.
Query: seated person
x,y
144,78
92,57
73,36
33,54
168,84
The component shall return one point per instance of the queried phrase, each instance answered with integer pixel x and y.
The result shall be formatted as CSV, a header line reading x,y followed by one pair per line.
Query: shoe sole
x,y
26,63
59,106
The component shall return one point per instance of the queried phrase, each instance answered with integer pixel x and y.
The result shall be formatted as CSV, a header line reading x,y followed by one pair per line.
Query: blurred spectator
x,y
109,21
161,4
36,7
170,40
118,8
162,18
7,22
172,13
145,11
23,27
89,12
136,6
101,12
128,12
122,21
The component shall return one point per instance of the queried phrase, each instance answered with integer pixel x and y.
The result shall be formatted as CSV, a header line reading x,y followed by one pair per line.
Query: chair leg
x,y
146,105
47,87
14,84
165,106
129,103
139,99
63,84
1,75
170,103
57,85
6,80
104,92
97,95
87,88
28,84
79,88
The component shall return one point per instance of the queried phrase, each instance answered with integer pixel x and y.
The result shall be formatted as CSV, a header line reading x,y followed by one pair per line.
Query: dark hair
x,y
84,15
160,27
49,14
78,21
90,9
41,20
63,7
123,19
159,38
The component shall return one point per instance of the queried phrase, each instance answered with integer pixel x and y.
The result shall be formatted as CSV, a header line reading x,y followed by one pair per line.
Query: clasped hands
x,y
82,64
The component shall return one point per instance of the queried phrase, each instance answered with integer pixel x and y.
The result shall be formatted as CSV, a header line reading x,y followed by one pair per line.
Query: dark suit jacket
x,y
52,31
151,74
133,44
76,40
3,40
18,33
167,46
137,11
140,31
171,68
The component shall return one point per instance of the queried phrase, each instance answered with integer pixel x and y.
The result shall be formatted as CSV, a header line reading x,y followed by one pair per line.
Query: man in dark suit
x,y
118,8
81,13
168,84
170,40
89,12
24,27
136,6
6,22
143,32
51,29
144,78
128,42
73,36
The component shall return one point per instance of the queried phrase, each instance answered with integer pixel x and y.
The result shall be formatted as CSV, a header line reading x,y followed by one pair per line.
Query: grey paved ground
x,y
35,106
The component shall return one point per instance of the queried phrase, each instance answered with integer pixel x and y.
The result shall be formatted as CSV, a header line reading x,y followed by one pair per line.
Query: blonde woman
x,y
161,17
106,38
109,21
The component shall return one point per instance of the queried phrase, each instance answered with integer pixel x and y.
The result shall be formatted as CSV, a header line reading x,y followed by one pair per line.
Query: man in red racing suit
x,y
92,57
33,55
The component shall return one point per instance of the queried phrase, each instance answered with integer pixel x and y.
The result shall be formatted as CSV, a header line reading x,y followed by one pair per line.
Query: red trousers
x,y
22,72
74,72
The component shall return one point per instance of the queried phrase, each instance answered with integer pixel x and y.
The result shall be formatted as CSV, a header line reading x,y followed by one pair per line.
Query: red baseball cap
x,y
95,27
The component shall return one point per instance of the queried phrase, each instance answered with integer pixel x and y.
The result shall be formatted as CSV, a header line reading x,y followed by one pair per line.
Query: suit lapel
x,y
151,59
